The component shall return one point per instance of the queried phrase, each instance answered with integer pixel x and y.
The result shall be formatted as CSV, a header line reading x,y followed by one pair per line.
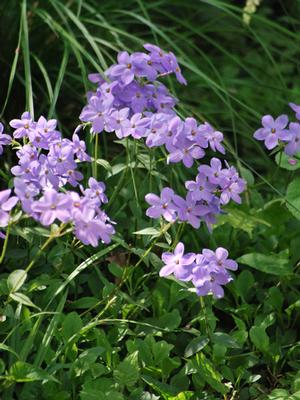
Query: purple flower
x,y
4,139
51,206
79,148
7,203
176,69
118,122
22,126
185,151
95,112
273,131
161,206
136,127
178,264
200,189
213,137
207,282
214,172
195,133
96,191
90,228
124,70
218,260
189,210
295,108
293,145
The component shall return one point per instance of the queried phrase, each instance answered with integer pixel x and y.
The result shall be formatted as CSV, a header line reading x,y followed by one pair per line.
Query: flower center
x,y
129,66
273,130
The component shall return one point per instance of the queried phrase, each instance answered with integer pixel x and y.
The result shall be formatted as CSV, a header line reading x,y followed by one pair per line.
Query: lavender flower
x,y
273,131
178,264
22,126
51,206
161,206
293,145
4,139
7,203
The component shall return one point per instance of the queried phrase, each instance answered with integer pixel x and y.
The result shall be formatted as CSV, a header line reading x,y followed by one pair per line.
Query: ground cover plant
x,y
149,200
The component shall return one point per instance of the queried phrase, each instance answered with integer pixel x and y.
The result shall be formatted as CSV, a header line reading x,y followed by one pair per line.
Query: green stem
x,y
203,308
5,244
95,169
46,243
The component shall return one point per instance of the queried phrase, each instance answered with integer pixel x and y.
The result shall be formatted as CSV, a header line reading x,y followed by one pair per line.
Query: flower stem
x,y
95,156
5,244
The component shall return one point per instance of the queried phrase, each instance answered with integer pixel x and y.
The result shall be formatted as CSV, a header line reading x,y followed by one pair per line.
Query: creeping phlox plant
x,y
279,134
130,101
47,164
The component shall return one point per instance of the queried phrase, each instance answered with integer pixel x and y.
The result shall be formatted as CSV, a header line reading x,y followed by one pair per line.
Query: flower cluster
x,y
213,188
280,132
47,163
133,103
208,271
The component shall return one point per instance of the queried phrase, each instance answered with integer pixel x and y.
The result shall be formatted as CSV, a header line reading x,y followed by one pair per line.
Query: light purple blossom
x,y
293,145
51,206
4,139
273,131
161,206
7,203
178,263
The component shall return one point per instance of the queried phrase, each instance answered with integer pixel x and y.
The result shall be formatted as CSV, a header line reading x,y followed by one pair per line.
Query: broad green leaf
x,y
23,372
293,197
239,219
282,161
259,338
271,264
16,279
127,372
195,345
71,325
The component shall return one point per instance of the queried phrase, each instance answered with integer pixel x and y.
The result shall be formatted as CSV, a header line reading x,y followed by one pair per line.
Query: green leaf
x,y
16,279
127,372
270,264
282,161
85,302
259,338
239,219
293,197
23,299
23,372
71,325
195,345
148,231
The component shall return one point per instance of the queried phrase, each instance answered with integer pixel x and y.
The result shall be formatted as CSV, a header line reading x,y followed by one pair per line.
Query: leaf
x,y
225,339
148,231
259,338
71,325
23,372
293,197
85,302
23,299
16,279
4,347
239,219
270,264
127,372
282,161
195,345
